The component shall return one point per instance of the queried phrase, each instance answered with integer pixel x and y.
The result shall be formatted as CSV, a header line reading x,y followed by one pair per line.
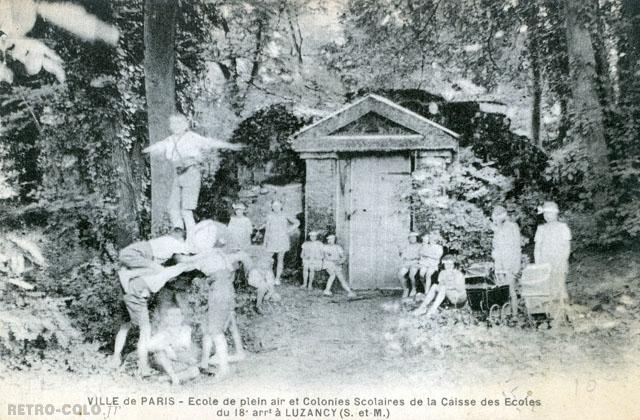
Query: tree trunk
x,y
536,75
601,54
127,229
159,70
629,68
587,113
630,46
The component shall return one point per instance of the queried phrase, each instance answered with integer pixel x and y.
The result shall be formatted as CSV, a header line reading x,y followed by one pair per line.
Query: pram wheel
x,y
495,314
505,313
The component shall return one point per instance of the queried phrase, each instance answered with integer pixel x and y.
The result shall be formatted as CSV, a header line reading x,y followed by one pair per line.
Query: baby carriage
x,y
487,299
536,293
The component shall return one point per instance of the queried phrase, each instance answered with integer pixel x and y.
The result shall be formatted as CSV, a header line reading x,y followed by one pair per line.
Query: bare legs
x,y
333,273
121,339
435,294
279,265
412,278
308,275
426,273
222,358
141,349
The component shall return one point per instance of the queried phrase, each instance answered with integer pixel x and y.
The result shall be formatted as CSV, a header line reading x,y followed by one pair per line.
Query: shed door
x,y
380,220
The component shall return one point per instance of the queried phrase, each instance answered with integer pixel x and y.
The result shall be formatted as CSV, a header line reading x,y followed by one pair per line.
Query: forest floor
x,y
311,342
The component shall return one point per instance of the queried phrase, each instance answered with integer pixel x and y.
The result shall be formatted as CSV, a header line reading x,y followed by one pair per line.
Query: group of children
x,y
147,266
218,252
329,256
420,261
552,248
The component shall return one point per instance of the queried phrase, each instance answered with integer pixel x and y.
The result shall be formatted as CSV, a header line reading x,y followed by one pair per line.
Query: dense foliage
x,y
578,100
72,152
455,203
267,151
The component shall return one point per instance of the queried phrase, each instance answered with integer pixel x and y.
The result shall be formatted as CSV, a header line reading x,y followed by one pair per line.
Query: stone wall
x,y
320,195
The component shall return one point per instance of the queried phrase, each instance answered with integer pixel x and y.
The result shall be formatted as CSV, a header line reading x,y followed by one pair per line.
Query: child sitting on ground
x,y
332,262
172,347
261,277
312,254
450,286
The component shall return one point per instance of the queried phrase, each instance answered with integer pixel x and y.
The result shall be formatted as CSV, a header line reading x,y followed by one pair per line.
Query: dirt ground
x,y
309,341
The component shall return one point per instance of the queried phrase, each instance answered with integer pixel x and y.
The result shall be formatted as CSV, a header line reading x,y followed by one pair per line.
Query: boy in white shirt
x,y
154,252
142,276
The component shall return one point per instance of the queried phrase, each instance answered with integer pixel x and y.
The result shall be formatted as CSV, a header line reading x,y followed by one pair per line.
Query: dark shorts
x,y
221,303
137,255
137,302
186,189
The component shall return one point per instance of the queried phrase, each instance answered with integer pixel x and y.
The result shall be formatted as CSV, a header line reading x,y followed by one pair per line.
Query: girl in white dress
x,y
278,227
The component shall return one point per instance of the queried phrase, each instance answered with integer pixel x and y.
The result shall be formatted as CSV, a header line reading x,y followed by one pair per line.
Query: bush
x,y
461,215
266,136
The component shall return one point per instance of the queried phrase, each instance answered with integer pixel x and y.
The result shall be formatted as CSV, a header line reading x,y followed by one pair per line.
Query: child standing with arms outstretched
x,y
278,227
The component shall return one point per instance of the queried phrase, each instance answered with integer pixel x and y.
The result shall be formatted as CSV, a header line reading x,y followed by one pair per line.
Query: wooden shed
x,y
359,160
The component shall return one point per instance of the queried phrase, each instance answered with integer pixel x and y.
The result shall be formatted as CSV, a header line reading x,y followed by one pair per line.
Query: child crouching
x,y
261,277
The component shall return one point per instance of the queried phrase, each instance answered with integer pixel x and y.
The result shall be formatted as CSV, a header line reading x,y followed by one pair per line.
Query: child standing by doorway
x,y
276,236
333,260
312,255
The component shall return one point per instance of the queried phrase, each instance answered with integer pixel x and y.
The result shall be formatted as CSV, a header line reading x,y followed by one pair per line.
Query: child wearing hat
x,y
450,286
410,255
312,254
332,262
239,229
430,254
553,247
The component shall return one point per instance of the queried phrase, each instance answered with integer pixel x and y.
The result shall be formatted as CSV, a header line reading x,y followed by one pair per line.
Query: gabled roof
x,y
420,134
